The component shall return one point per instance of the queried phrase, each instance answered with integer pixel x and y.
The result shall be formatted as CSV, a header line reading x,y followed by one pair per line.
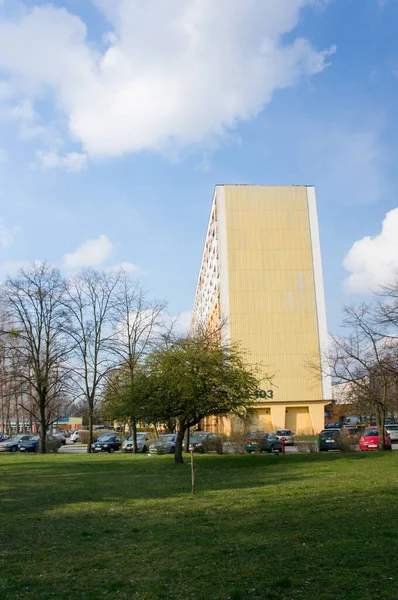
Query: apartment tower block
x,y
261,274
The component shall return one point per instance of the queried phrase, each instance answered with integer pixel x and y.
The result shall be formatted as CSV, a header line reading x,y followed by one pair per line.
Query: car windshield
x,y
14,438
140,436
34,438
329,434
198,436
106,438
392,427
284,432
167,438
371,432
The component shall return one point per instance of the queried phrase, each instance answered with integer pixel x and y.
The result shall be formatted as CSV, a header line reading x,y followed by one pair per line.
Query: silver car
x,y
166,444
392,431
287,434
144,440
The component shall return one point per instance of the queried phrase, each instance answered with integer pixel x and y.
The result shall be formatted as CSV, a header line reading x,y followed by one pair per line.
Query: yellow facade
x,y
269,297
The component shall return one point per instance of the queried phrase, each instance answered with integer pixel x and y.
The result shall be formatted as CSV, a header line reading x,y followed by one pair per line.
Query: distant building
x,y
261,272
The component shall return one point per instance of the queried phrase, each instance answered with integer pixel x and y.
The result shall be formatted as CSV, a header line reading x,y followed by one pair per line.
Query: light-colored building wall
x,y
261,271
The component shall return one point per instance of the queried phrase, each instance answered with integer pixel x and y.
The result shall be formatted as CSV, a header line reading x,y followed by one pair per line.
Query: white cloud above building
x,y
167,73
373,261
91,253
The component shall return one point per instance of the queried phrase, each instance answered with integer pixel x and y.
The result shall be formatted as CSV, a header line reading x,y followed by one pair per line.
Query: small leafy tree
x,y
197,376
125,402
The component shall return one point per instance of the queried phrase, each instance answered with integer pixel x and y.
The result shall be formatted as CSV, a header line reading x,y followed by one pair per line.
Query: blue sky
x,y
117,118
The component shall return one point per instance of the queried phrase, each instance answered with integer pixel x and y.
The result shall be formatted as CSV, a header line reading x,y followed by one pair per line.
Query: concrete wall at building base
x,y
300,418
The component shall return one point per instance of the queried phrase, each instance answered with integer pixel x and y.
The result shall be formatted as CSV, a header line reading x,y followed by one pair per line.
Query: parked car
x,y
287,434
329,439
74,436
392,431
12,444
53,444
60,436
144,439
203,442
353,433
103,427
370,439
165,444
109,442
268,442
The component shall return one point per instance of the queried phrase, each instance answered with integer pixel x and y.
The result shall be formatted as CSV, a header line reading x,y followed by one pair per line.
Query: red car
x,y
370,439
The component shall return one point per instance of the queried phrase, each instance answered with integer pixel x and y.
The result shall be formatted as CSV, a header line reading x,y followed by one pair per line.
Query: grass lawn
x,y
316,527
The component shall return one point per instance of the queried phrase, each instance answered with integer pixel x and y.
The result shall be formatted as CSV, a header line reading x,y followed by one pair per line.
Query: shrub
x,y
307,446
235,444
83,435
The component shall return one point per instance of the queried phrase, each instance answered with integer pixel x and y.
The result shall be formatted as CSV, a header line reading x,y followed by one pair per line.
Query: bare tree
x,y
37,348
90,302
140,323
364,360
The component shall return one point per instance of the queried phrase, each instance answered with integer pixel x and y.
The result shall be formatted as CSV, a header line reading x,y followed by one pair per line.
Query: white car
x,y
392,431
143,440
287,434
74,436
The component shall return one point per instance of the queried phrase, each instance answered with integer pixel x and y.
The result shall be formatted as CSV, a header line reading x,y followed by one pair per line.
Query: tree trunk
x,y
171,425
134,434
381,423
178,459
90,425
43,427
187,440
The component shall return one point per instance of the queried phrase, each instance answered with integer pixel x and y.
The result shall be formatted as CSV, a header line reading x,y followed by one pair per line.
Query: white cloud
x,y
74,162
7,234
23,110
129,267
373,261
171,73
126,266
90,253
184,321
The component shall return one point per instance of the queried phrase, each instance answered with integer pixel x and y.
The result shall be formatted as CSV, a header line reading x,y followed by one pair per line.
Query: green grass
x,y
311,526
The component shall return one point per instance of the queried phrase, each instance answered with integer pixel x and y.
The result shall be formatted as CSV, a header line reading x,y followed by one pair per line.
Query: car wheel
x,y
55,450
172,450
111,450
271,449
14,449
145,449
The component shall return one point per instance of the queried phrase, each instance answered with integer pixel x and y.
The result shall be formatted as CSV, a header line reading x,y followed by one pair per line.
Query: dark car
x,y
53,444
268,442
60,436
329,439
109,442
206,442
12,444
